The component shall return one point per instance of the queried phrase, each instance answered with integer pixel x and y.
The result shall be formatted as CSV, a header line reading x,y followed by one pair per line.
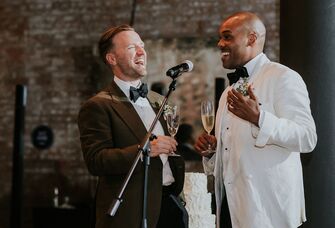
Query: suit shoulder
x,y
280,68
100,99
280,71
281,75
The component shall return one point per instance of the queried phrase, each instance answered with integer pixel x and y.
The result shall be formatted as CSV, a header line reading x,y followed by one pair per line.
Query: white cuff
x,y
208,164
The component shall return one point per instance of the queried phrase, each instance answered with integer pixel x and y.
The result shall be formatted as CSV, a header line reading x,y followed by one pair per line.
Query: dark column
x,y
308,46
18,149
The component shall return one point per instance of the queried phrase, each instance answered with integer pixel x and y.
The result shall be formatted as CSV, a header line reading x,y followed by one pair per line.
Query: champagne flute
x,y
207,118
172,121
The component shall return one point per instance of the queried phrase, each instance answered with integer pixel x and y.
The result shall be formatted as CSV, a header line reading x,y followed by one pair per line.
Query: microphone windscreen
x,y
190,65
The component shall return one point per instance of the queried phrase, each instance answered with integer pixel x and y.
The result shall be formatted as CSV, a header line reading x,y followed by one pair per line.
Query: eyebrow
x,y
136,44
226,31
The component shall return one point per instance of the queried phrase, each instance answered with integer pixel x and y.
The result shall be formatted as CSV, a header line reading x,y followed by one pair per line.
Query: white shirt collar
x,y
125,86
252,63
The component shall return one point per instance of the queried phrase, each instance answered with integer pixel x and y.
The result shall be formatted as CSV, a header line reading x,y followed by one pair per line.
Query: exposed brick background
x,y
50,46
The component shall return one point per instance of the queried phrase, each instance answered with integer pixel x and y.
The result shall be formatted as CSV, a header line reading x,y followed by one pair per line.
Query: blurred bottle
x,y
56,197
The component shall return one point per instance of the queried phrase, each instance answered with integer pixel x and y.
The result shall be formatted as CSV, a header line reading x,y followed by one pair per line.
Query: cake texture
x,y
198,201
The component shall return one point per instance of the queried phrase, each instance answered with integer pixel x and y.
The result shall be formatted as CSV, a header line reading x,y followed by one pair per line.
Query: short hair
x,y
106,39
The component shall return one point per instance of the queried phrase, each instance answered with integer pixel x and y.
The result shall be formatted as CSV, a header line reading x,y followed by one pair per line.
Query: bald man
x,y
263,123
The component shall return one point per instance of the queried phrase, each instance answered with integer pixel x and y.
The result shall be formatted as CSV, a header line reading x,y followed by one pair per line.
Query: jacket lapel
x,y
128,114
258,68
126,111
155,101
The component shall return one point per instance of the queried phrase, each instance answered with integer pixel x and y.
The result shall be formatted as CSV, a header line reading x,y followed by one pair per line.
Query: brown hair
x,y
106,40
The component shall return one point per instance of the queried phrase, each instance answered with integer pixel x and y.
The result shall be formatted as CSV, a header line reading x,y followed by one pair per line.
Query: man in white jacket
x,y
263,123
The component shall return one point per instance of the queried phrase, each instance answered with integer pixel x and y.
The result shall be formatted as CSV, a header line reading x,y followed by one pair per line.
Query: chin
x,y
227,66
143,73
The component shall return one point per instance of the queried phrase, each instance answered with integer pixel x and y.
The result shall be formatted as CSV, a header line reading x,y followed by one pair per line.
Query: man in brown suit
x,y
113,123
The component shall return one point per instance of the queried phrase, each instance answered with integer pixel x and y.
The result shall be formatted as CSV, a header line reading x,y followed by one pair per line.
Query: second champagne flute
x,y
207,118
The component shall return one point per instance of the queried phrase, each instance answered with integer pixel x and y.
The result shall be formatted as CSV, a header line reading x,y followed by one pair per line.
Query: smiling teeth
x,y
225,53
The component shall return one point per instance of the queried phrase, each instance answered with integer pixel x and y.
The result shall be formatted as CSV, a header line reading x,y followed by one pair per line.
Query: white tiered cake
x,y
198,201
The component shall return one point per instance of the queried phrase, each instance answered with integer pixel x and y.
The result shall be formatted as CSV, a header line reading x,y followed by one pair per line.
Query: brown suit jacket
x,y
110,131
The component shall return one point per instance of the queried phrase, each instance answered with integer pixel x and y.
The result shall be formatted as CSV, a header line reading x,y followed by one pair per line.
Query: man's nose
x,y
140,50
221,43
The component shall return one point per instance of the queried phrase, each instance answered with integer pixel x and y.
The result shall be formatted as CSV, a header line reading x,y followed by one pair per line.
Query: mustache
x,y
224,49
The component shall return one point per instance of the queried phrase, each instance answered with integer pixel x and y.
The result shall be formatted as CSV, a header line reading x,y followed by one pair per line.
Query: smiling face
x,y
128,57
241,39
233,43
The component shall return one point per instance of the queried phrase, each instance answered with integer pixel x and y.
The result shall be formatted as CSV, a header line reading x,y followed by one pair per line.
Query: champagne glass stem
x,y
209,145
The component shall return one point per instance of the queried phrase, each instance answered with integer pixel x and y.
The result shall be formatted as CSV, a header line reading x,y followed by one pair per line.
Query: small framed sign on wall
x,y
42,137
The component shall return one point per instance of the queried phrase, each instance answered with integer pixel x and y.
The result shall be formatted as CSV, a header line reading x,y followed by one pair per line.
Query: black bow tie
x,y
240,72
135,93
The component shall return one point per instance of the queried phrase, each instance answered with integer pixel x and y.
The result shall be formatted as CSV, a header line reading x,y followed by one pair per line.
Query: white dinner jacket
x,y
260,167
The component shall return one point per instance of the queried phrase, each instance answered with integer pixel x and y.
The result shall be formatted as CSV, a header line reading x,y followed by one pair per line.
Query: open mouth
x,y
140,62
225,54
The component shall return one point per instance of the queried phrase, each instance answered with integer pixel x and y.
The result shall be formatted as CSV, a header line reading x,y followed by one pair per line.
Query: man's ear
x,y
252,37
110,58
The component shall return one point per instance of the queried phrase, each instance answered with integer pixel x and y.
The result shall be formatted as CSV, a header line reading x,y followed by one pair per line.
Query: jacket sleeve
x,y
100,153
291,125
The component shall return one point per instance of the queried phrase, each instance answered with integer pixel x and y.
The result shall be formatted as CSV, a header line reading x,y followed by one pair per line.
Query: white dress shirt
x,y
147,115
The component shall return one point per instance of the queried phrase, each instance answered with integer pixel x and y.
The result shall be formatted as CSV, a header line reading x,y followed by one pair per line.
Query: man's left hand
x,y
245,107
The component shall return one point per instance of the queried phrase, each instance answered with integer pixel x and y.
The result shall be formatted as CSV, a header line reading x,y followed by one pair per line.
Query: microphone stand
x,y
144,150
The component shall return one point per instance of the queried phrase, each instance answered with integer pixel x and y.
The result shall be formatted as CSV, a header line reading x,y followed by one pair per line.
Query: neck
x,y
132,82
126,77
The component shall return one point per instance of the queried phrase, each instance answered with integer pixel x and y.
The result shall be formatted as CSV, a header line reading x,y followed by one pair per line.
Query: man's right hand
x,y
162,145
201,145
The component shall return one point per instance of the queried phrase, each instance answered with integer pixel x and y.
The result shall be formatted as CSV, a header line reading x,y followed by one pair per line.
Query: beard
x,y
237,56
132,70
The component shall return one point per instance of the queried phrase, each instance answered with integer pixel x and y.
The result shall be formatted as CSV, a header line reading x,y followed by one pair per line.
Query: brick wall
x,y
50,46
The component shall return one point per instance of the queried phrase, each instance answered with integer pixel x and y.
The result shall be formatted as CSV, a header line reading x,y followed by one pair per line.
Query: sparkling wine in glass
x,y
172,121
207,117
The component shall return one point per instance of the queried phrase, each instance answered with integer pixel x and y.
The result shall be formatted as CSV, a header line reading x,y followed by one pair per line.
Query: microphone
x,y
175,71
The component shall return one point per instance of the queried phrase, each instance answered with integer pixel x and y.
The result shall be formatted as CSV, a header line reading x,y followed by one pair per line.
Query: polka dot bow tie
x,y
240,72
135,93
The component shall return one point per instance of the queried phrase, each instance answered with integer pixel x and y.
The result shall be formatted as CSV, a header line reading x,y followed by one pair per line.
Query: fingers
x,y
235,100
163,145
238,95
251,93
203,141
237,103
201,144
234,96
245,107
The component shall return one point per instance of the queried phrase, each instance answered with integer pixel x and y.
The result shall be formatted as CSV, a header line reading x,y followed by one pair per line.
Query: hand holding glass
x,y
207,117
172,121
